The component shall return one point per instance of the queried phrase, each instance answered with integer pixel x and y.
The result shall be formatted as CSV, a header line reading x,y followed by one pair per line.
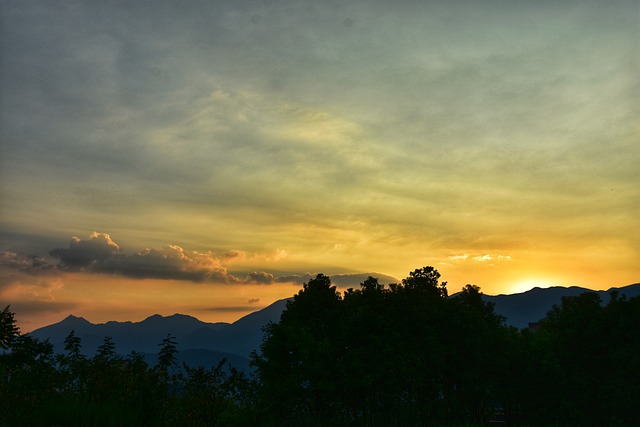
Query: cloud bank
x,y
100,254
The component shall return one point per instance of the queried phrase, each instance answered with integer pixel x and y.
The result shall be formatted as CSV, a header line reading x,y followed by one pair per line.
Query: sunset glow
x,y
528,284
208,159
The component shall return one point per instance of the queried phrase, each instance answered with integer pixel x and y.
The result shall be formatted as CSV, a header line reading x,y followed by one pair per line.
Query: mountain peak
x,y
181,316
71,319
154,317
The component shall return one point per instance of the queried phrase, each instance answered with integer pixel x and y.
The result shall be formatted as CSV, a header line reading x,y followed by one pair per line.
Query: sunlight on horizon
x,y
209,158
528,284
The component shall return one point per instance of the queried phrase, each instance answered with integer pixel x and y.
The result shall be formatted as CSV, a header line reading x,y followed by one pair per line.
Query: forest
x,y
406,354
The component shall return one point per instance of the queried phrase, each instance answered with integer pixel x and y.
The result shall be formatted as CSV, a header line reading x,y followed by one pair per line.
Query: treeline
x,y
39,388
402,355
408,354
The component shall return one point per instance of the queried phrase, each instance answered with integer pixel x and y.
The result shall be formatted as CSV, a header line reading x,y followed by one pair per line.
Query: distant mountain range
x,y
202,343
199,343
533,305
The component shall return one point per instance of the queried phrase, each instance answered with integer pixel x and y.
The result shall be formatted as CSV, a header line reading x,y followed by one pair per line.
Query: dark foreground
x,y
402,355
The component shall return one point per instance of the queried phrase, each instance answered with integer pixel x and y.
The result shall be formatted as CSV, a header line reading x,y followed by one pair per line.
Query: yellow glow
x,y
528,284
101,298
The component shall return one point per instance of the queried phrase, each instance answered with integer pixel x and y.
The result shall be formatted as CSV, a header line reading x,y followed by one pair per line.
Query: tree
x,y
405,354
167,379
474,337
27,382
581,363
294,367
8,329
425,280
207,396
106,350
105,378
371,286
73,345
167,356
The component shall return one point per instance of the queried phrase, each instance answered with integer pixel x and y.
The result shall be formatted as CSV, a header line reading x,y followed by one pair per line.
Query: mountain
x,y
531,306
199,342
241,337
128,336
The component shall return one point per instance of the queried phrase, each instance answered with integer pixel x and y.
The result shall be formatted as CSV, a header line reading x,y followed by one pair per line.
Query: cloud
x,y
31,264
298,279
354,280
169,262
25,286
261,278
234,255
479,258
489,257
484,259
31,307
341,280
83,253
278,254
31,285
32,295
100,254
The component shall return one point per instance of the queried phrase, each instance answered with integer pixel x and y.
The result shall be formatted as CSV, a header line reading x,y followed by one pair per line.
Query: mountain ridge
x,y
523,308
240,338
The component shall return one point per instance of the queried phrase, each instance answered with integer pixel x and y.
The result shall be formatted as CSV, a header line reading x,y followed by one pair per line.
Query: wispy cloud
x,y
458,257
32,291
478,258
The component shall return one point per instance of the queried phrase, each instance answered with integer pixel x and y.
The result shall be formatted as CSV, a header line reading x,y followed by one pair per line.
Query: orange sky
x,y
208,158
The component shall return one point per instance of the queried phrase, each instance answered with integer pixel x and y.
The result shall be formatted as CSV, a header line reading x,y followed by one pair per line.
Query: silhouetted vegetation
x,y
406,355
38,388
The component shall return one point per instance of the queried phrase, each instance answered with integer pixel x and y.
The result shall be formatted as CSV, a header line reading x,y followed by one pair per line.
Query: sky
x,y
208,157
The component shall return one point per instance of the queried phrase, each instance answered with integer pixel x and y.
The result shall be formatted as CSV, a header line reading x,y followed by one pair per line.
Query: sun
x,y
528,284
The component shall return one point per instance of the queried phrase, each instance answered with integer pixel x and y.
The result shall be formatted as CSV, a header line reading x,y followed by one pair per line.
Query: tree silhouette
x,y
8,329
425,280
404,354
167,378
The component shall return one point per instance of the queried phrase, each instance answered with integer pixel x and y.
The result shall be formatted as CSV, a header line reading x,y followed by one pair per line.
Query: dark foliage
x,y
409,355
402,355
40,389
